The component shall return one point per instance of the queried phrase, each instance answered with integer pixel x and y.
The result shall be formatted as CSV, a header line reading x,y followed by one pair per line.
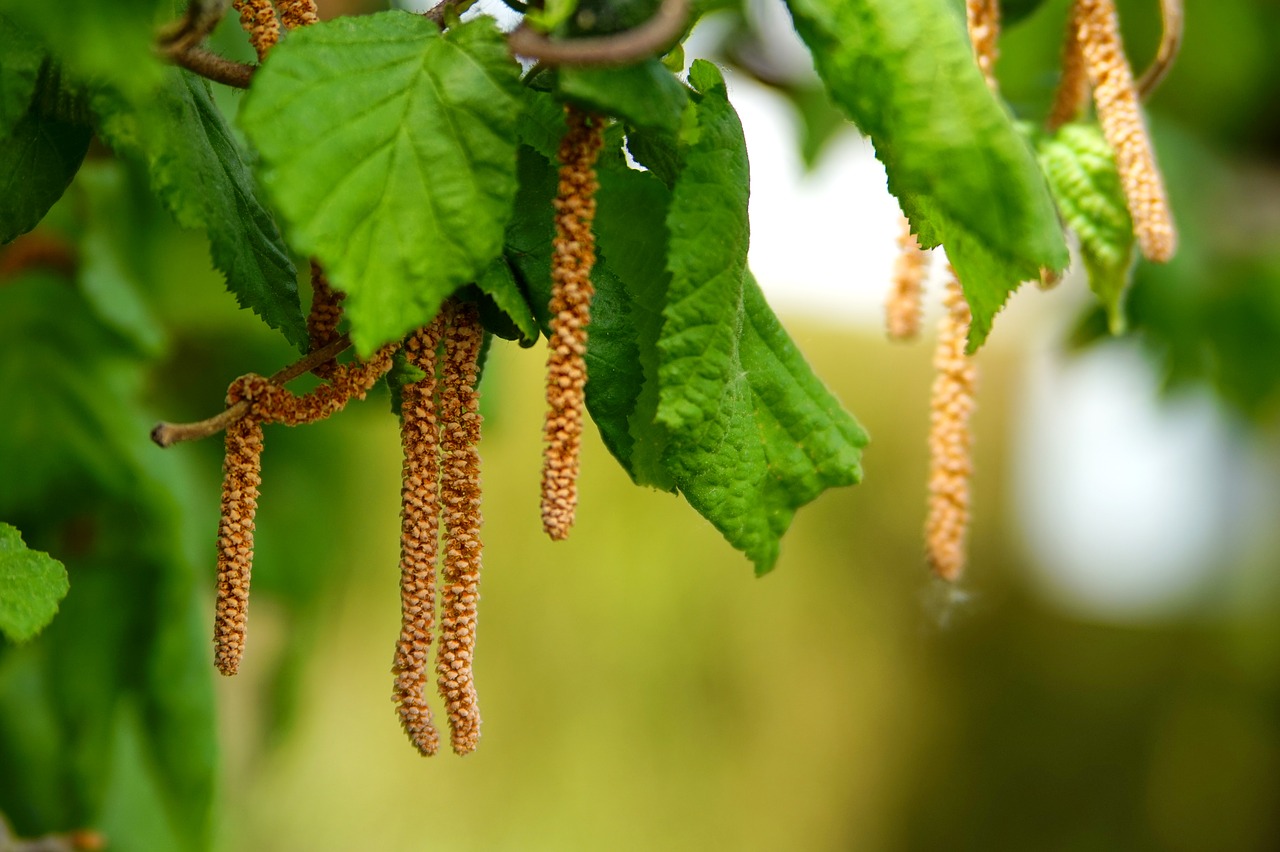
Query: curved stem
x,y
1170,42
619,49
211,66
168,434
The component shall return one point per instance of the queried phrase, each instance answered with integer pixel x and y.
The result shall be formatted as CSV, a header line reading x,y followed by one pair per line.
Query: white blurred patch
x,y
1129,503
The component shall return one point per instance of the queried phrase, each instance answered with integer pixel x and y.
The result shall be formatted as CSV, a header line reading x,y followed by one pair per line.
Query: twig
x,y
1170,42
619,49
168,434
211,66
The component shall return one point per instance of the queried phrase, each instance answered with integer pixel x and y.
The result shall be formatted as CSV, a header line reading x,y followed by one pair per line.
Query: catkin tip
x,y
903,308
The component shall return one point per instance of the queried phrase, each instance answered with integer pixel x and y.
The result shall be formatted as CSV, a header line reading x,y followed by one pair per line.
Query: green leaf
x,y
31,585
1081,170
198,170
904,72
20,59
498,282
109,43
644,95
407,175
38,158
753,435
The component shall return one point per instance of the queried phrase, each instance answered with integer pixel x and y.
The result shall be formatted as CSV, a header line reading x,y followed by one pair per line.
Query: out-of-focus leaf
x,y
643,95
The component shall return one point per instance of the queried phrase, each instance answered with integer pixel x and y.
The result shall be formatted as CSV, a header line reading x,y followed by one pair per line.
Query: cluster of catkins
x,y
1093,59
440,434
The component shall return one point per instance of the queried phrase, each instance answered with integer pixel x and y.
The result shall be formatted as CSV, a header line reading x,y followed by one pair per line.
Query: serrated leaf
x,y
498,282
31,585
405,182
903,70
199,172
1081,170
643,95
753,435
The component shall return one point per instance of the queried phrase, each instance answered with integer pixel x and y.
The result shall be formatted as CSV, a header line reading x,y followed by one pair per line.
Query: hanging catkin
x,y
323,318
297,13
904,306
241,478
460,504
1072,94
419,537
950,440
983,19
1116,98
258,18
571,292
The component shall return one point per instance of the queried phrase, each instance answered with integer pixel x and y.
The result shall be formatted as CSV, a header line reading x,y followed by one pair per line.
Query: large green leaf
x,y
198,170
1081,169
903,70
38,158
390,150
643,95
31,584
753,435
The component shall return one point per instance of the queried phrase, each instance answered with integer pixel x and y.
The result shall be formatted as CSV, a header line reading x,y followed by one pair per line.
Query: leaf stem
x,y
168,434
619,49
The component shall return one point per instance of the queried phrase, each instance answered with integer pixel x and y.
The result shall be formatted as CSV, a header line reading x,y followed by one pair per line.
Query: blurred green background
x,y
639,688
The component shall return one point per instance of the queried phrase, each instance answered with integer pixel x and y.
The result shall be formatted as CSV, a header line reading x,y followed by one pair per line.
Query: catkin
x,y
460,504
323,318
571,292
258,18
1116,98
903,308
1072,94
950,440
419,537
242,476
983,19
297,13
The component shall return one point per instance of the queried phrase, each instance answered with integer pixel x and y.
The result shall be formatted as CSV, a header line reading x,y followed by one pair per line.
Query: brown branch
x,y
621,48
211,66
168,434
1170,43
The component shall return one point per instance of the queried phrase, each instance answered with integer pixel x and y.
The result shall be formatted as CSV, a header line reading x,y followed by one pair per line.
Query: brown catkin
x,y
1116,98
903,308
983,19
419,537
323,318
460,503
258,18
297,13
571,292
242,476
950,440
1072,94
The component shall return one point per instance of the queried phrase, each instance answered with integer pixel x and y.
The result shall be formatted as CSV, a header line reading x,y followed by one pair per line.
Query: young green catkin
x,y
241,479
297,13
903,308
950,439
258,18
419,537
459,414
571,291
1116,98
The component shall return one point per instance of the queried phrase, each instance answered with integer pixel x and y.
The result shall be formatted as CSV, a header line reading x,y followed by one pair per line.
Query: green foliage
x,y
390,152
31,584
904,72
1081,170
644,95
200,173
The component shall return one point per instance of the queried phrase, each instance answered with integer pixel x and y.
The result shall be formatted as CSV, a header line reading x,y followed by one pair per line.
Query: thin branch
x,y
211,66
168,434
621,48
1170,42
